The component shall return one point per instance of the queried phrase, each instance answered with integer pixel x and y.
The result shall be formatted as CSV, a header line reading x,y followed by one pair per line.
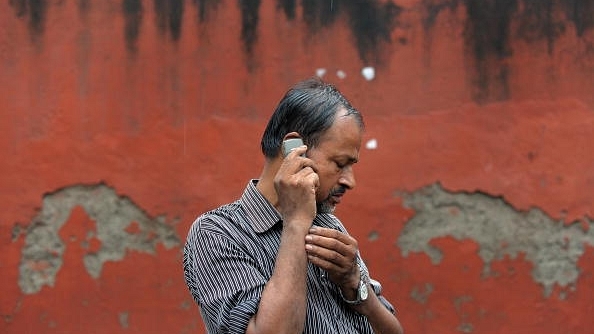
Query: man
x,y
277,260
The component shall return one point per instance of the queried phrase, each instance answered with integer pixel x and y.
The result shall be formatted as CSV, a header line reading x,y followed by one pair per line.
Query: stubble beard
x,y
326,207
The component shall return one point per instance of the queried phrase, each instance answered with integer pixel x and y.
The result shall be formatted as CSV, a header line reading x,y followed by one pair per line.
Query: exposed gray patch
x,y
421,294
186,305
43,249
123,317
500,230
373,236
466,328
17,230
458,301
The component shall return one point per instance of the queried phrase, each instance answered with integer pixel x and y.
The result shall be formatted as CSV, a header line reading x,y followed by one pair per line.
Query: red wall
x,y
121,121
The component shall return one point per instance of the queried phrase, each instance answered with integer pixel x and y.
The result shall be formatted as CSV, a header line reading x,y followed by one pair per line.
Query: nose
x,y
347,178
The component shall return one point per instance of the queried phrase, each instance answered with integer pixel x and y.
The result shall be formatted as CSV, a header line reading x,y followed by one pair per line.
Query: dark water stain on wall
x,y
491,25
370,21
132,10
488,27
581,13
168,15
35,10
371,24
288,7
320,14
205,7
538,22
433,9
84,6
487,36
249,24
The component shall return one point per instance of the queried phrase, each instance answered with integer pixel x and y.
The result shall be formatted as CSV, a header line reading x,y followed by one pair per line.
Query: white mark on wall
x,y
371,144
320,72
368,73
341,74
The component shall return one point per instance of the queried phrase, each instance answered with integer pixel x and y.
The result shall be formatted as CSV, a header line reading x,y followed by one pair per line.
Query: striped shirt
x,y
229,256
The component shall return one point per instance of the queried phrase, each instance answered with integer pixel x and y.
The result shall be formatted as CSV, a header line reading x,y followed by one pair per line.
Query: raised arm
x,y
283,305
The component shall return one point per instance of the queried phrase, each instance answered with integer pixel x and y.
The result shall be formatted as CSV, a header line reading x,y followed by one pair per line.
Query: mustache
x,y
340,190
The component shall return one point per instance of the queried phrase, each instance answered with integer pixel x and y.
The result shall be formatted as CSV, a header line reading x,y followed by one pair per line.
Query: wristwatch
x,y
362,291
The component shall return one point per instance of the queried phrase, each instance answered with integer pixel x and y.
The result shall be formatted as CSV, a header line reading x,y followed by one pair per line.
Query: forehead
x,y
343,137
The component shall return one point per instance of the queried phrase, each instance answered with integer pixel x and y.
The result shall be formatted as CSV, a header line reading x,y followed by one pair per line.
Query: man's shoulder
x,y
221,219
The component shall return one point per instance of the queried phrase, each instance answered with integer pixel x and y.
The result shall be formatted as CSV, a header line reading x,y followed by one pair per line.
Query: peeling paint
x,y
421,294
120,226
553,247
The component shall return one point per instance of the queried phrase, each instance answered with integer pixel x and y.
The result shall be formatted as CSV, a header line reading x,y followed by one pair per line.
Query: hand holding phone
x,y
290,144
296,183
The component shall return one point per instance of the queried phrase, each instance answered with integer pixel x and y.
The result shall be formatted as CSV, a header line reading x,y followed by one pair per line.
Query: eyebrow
x,y
349,158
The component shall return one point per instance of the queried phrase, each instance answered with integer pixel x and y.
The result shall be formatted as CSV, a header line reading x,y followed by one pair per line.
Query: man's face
x,y
334,157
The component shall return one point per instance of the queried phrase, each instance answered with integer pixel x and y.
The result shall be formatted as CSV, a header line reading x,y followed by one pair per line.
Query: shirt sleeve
x,y
223,280
377,288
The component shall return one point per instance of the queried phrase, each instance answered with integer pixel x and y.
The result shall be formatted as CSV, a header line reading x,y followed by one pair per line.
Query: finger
x,y
325,235
331,250
329,266
297,151
296,165
311,177
328,255
338,272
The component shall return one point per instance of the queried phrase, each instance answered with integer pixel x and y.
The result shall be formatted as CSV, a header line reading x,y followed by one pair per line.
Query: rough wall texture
x,y
121,120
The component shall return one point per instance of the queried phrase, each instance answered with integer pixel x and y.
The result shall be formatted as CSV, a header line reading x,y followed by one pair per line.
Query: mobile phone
x,y
290,144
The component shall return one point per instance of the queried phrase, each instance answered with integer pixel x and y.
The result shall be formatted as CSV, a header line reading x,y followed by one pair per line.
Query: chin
x,y
326,207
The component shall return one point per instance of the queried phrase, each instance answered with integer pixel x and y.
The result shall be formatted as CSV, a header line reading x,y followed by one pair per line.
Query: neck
x,y
266,181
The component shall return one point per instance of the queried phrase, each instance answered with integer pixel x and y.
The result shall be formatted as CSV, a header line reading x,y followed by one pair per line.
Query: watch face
x,y
363,292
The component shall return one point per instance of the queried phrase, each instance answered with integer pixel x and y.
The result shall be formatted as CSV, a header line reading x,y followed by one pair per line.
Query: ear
x,y
290,141
291,135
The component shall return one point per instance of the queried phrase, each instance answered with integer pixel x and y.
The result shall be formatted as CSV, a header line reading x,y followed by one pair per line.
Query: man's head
x,y
330,127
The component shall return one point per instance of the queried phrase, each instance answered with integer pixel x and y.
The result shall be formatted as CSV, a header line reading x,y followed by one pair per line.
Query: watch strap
x,y
363,282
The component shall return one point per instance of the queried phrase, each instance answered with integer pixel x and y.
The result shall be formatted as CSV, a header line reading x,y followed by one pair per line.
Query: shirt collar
x,y
260,213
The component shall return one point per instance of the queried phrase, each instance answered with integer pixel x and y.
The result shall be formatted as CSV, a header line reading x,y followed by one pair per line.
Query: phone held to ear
x,y
290,144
